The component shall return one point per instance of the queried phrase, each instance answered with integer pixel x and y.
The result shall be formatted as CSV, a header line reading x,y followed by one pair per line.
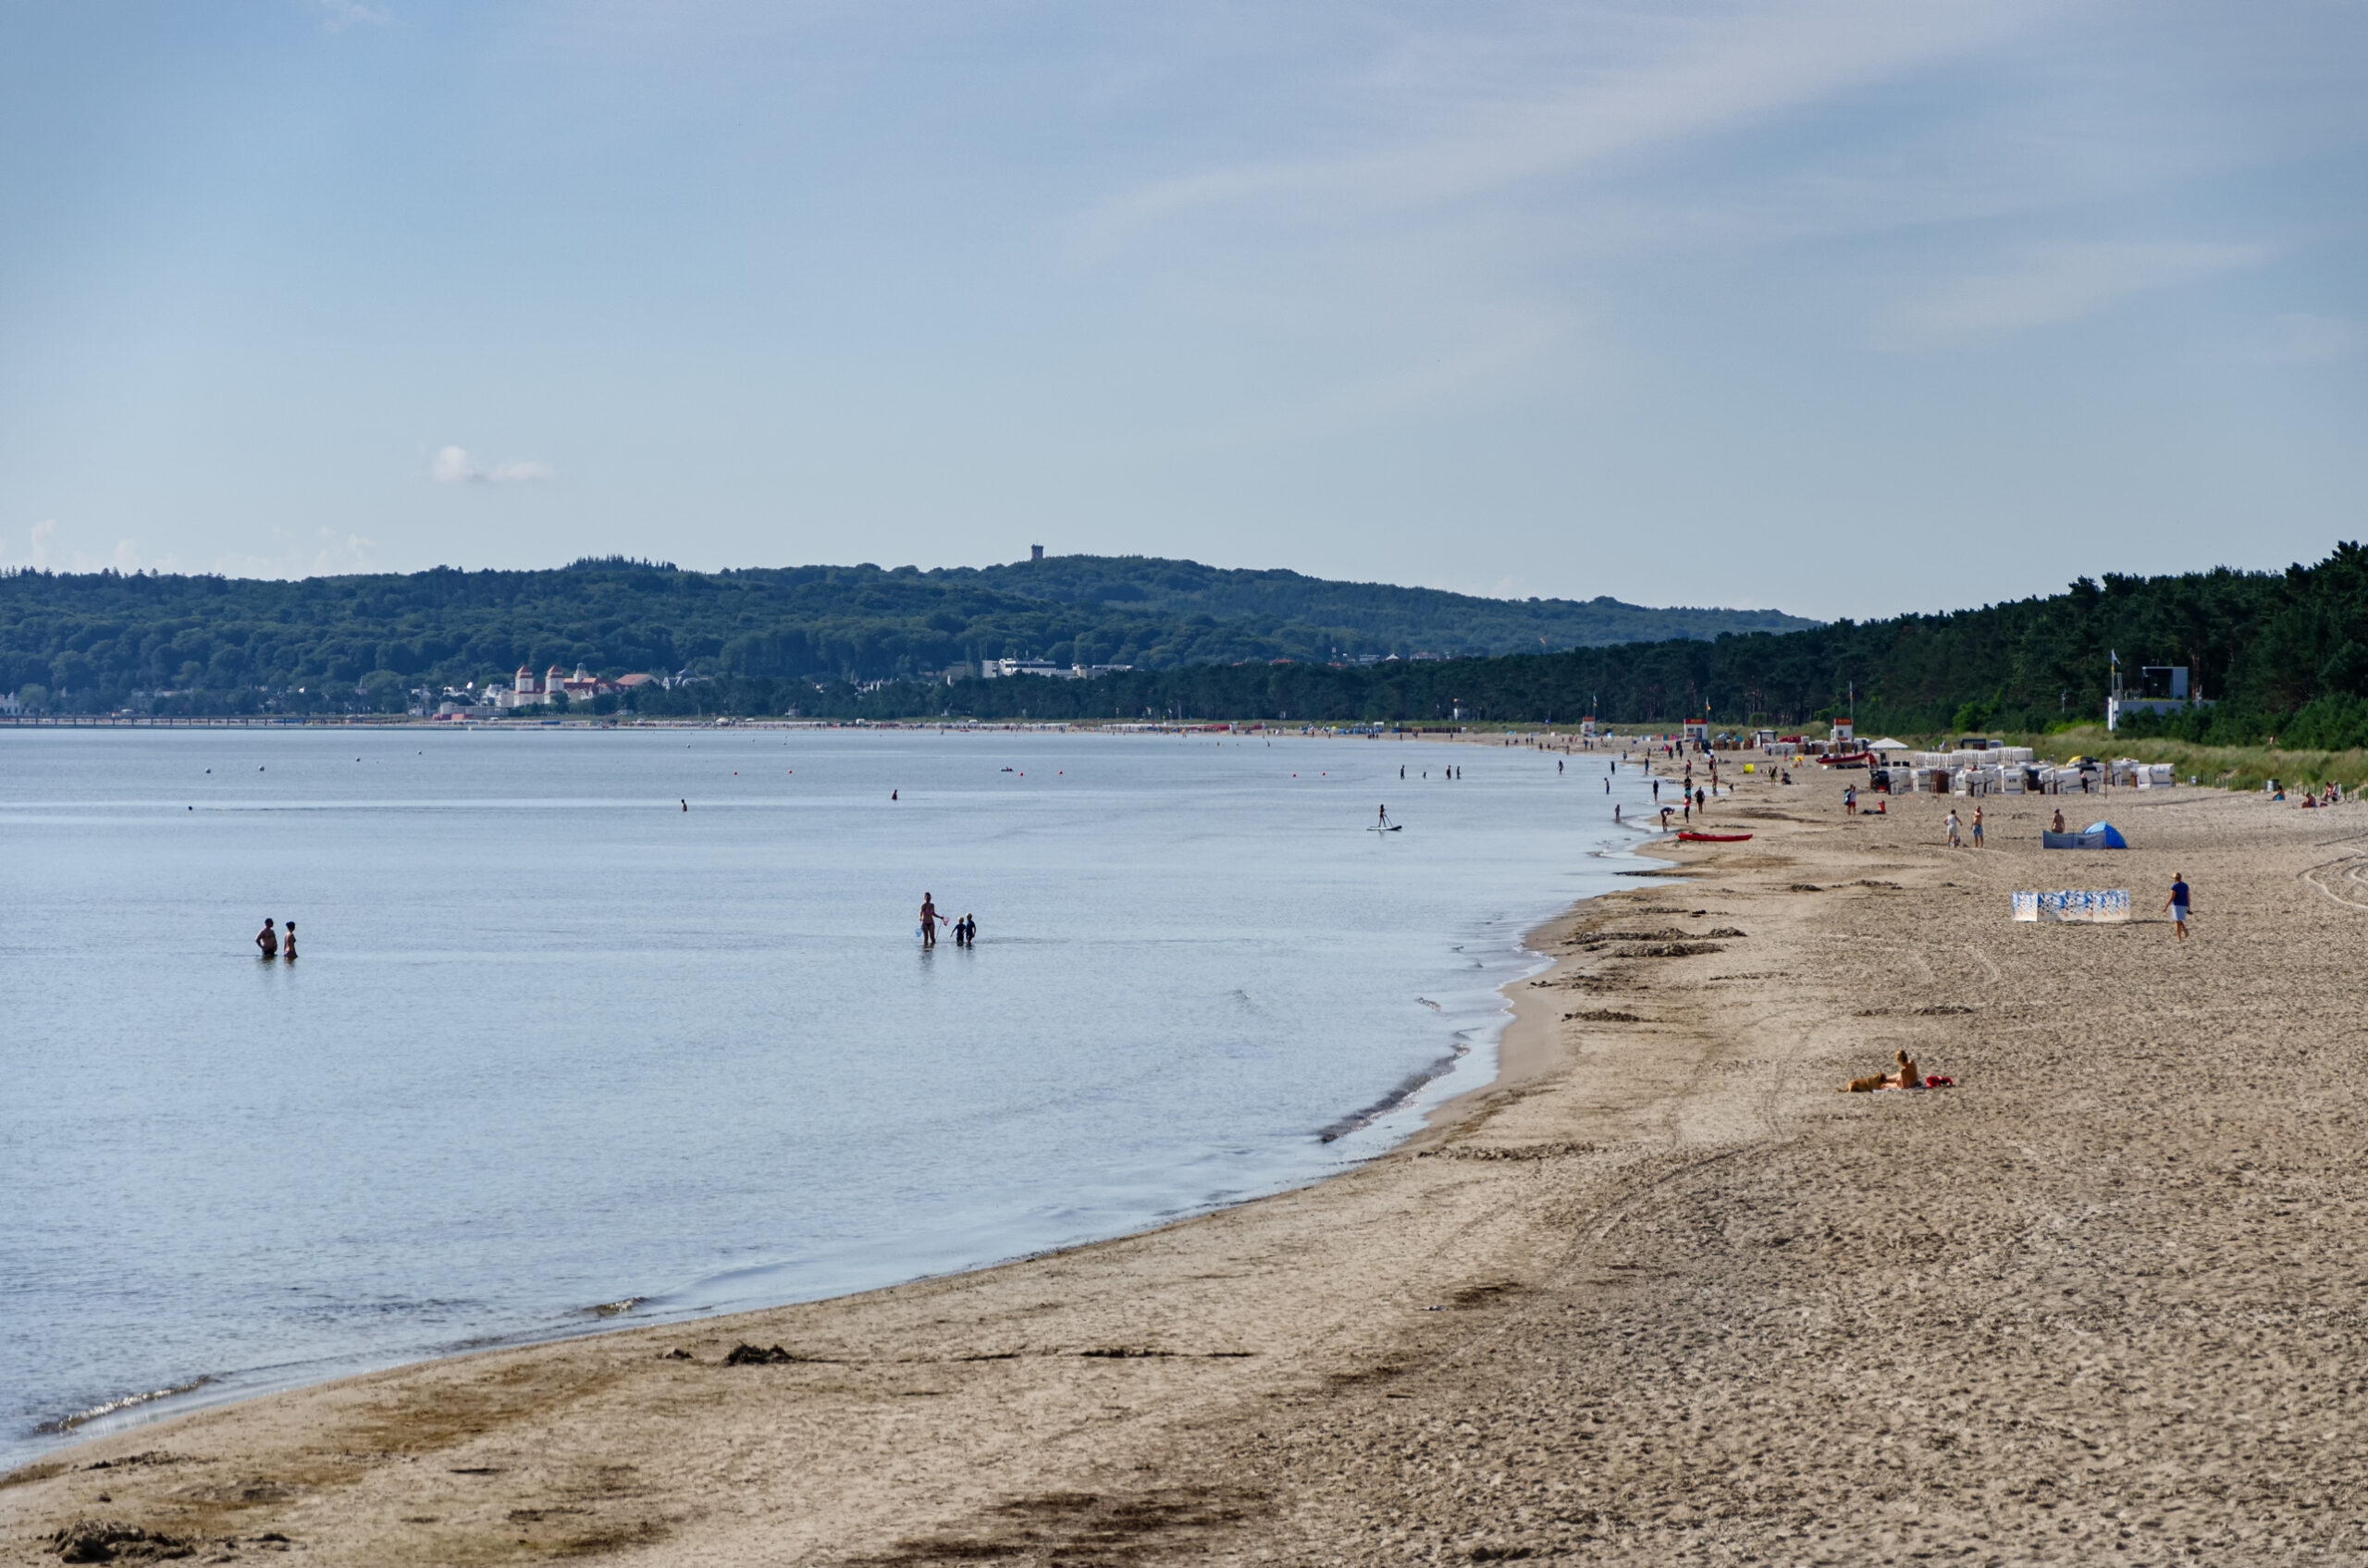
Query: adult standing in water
x,y
929,920
288,950
267,940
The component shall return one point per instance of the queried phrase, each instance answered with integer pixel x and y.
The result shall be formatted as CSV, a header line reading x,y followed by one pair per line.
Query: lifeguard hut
x,y
1697,732
1846,733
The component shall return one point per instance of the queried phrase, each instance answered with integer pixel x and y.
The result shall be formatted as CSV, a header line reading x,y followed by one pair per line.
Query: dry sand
x,y
1662,1296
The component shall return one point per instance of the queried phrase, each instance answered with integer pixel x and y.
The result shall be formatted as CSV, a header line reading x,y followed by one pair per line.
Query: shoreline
x,y
1657,1294
1521,1047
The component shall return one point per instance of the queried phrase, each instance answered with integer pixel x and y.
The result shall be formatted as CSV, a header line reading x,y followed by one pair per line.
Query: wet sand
x,y
1660,1296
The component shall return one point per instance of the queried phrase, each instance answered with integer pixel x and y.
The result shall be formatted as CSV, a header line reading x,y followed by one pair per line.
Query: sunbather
x,y
1904,1077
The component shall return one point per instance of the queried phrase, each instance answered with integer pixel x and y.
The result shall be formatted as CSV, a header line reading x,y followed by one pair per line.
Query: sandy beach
x,y
1660,1295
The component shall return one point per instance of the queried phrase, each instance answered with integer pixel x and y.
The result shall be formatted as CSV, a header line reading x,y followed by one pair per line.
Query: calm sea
x,y
555,1042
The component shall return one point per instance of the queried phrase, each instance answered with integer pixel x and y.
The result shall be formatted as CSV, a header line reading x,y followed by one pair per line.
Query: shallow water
x,y
556,1043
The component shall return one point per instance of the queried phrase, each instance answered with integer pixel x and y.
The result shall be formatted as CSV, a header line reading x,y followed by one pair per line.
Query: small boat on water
x,y
1714,837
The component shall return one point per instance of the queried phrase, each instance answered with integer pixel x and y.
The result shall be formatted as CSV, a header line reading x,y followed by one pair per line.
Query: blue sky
x,y
1842,307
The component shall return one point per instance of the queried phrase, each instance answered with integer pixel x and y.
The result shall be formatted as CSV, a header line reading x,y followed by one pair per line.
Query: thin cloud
x,y
325,554
2048,285
1488,122
2302,338
339,15
453,465
43,553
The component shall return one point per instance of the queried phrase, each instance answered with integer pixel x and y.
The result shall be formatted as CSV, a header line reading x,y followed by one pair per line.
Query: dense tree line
x,y
2282,654
90,642
1382,618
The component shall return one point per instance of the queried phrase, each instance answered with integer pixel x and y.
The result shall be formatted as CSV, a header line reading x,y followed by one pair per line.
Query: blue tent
x,y
2097,835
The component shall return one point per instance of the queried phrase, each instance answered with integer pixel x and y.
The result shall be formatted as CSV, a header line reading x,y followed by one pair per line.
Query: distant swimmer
x,y
929,916
686,804
267,940
1401,770
1615,813
892,794
287,950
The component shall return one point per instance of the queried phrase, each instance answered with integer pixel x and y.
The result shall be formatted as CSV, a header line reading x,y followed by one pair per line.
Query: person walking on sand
x,y
1977,827
929,916
267,940
2177,905
1955,843
287,948
1849,800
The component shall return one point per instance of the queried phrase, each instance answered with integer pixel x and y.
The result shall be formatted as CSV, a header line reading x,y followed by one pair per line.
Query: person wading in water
x,y
267,940
930,918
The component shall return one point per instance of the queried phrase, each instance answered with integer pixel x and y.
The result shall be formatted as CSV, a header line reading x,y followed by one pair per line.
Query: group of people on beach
x,y
271,944
966,929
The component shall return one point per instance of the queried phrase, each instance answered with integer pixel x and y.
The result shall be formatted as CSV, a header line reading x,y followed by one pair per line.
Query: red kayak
x,y
1714,837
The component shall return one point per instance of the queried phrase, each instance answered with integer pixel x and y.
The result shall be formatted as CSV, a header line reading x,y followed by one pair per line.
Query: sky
x,y
1843,307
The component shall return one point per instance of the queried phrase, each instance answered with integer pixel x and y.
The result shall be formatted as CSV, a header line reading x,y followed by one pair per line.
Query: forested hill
x,y
96,642
2282,653
1407,620
2279,653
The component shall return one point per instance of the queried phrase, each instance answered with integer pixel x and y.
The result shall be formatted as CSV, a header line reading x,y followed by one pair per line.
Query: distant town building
x,y
2162,689
527,691
1002,668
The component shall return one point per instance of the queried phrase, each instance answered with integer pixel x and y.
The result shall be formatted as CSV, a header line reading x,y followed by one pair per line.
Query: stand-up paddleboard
x,y
1394,827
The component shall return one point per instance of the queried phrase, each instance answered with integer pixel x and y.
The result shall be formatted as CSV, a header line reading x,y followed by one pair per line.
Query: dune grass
x,y
2228,767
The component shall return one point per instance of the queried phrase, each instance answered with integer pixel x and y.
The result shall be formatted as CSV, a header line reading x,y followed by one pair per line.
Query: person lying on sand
x,y
1906,1077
